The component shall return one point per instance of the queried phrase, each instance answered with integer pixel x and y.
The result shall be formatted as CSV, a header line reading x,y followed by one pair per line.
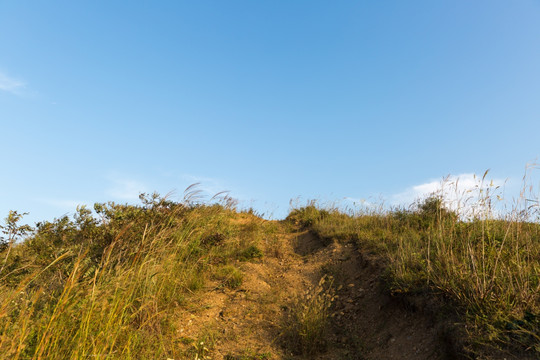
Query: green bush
x,y
307,216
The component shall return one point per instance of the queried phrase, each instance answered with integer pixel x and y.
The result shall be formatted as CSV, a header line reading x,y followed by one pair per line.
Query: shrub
x,y
307,216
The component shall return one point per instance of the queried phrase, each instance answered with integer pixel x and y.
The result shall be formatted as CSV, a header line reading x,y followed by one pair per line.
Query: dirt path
x,y
247,322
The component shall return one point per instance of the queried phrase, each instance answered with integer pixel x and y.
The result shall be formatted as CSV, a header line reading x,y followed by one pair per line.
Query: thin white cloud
x,y
125,189
468,193
11,85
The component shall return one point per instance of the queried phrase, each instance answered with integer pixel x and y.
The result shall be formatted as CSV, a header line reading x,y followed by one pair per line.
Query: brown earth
x,y
366,323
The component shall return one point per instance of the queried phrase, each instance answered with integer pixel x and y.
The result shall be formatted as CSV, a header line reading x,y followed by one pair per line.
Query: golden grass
x,y
306,327
109,288
485,266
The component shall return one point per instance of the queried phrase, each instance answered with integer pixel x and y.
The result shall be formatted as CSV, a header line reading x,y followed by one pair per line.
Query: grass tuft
x,y
307,324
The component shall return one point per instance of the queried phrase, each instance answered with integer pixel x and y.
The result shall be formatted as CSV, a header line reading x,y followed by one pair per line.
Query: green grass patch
x,y
250,253
230,276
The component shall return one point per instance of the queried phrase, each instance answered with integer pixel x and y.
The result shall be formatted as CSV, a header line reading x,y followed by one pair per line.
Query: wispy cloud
x,y
468,193
126,189
11,85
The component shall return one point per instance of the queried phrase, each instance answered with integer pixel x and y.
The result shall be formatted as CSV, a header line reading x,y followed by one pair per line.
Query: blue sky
x,y
272,100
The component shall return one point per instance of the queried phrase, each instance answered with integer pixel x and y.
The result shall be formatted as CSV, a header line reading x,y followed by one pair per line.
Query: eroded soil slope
x,y
250,322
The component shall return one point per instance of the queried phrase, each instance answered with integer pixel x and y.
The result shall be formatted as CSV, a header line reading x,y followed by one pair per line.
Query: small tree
x,y
11,231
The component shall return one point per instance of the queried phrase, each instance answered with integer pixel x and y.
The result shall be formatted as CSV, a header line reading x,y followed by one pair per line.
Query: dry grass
x,y
109,287
307,324
483,263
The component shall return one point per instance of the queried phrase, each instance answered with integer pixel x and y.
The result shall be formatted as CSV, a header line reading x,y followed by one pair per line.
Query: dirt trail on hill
x,y
247,322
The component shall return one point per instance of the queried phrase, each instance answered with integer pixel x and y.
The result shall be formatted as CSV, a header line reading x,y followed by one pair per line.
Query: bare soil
x,y
367,323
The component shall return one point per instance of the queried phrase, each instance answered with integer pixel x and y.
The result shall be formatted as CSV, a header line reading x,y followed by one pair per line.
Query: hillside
x,y
181,280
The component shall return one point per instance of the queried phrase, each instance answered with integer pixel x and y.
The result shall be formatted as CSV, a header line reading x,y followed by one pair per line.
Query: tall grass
x,y
108,286
484,262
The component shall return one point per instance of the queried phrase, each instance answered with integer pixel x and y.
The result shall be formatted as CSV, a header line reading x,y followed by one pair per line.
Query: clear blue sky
x,y
268,99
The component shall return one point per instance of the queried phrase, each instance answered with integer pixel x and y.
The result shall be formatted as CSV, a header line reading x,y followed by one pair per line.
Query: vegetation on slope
x,y
108,287
484,269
